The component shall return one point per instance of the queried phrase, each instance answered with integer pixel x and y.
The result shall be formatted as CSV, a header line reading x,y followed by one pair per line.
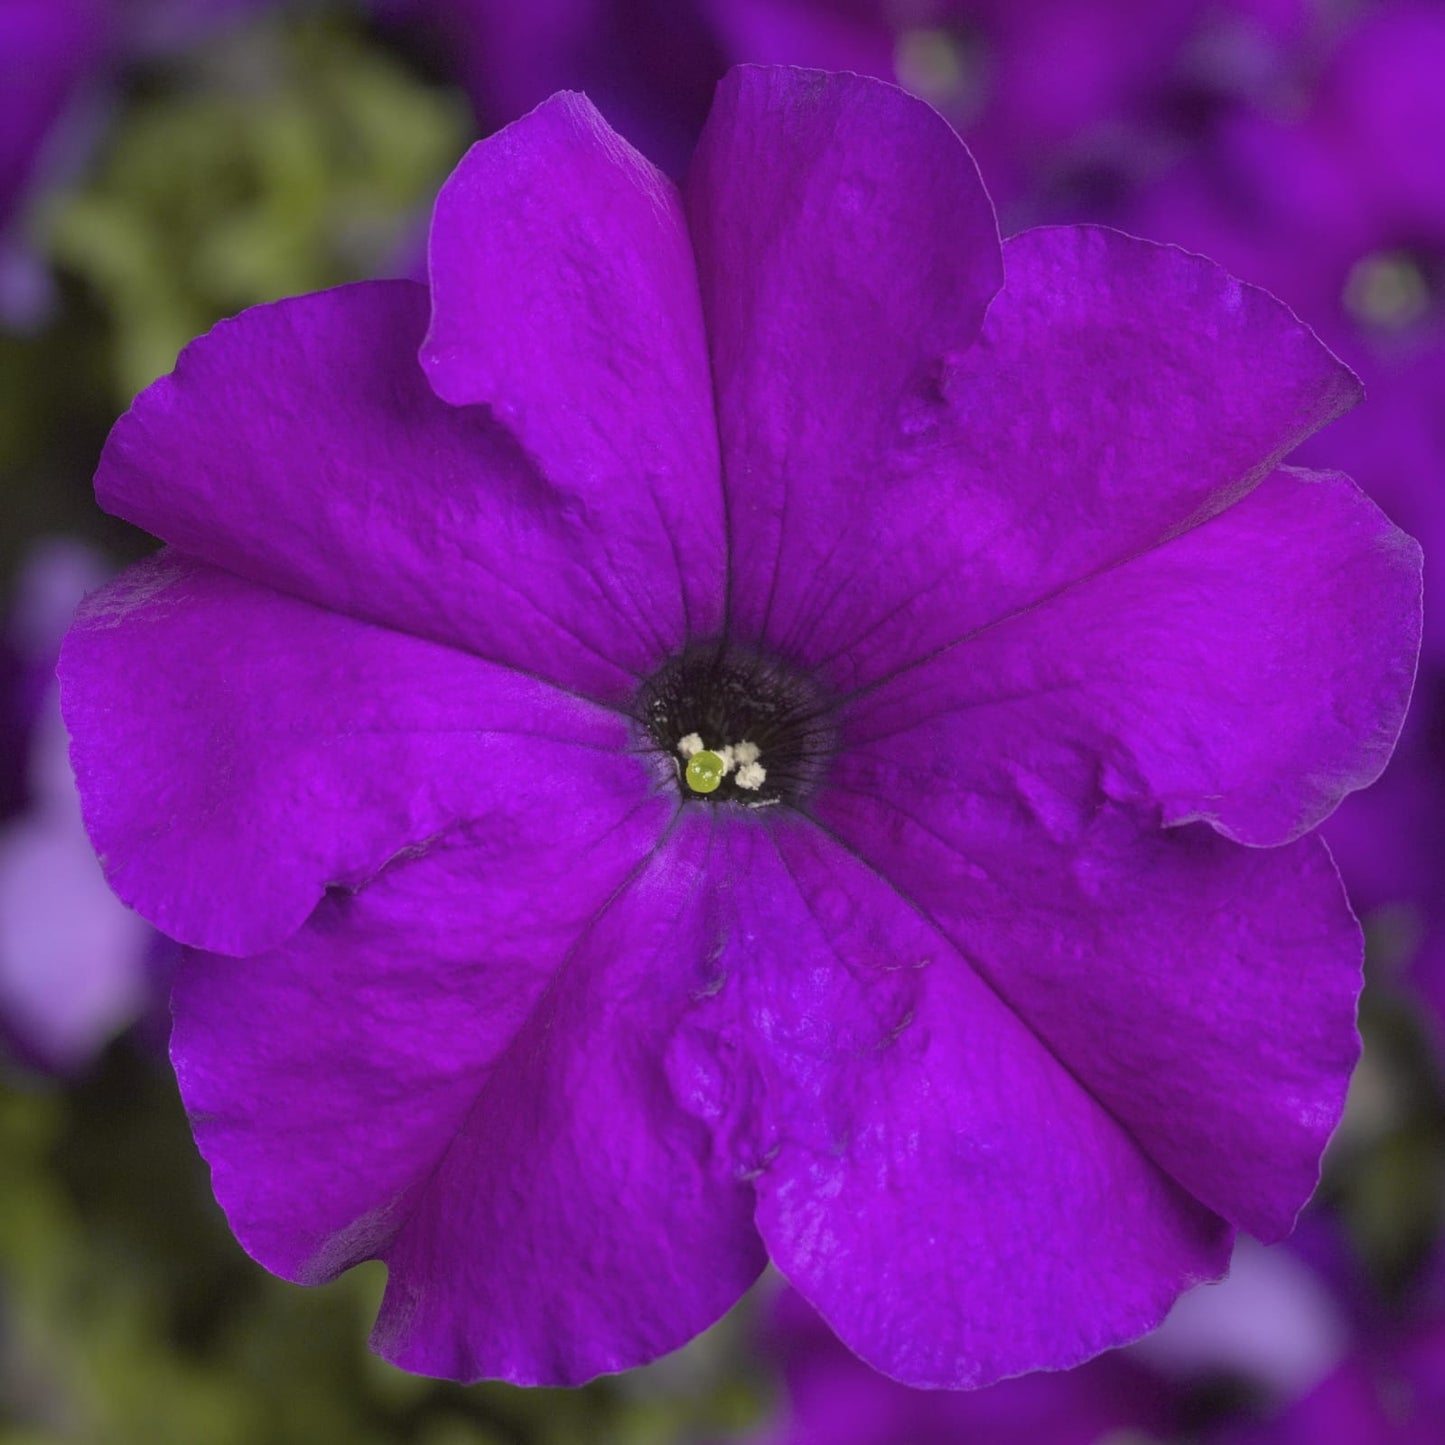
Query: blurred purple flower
x,y
989,1032
1389,1392
58,59
1274,1322
1339,209
50,51
76,966
1322,1356
1036,87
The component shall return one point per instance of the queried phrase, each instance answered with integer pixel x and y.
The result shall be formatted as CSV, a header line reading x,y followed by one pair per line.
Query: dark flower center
x,y
736,725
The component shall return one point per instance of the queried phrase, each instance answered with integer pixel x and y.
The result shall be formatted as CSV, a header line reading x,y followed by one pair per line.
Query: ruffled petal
x,y
936,1183
1249,673
581,1222
1120,393
846,250
458,1069
300,446
1204,993
238,751
565,299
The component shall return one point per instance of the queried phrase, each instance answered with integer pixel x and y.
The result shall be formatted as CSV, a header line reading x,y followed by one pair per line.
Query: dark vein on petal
x,y
677,564
494,1067
981,975
382,624
1046,600
808,608
948,709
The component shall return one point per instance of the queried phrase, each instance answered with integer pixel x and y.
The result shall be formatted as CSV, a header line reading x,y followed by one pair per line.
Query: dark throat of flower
x,y
737,726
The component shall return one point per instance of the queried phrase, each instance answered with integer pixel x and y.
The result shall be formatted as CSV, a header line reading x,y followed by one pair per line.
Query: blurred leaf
x,y
289,157
1385,1167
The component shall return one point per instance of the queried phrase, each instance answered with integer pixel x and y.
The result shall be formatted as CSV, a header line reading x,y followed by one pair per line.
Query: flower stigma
x,y
704,771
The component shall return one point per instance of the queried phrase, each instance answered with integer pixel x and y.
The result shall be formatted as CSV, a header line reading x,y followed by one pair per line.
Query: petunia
x,y
751,722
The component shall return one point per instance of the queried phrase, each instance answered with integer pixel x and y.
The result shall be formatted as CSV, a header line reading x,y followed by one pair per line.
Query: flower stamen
x,y
717,710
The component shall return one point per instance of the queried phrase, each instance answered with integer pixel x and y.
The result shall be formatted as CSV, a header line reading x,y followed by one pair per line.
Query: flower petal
x,y
932,1179
300,446
72,959
565,299
1249,673
1203,992
238,751
846,251
487,1111
1120,393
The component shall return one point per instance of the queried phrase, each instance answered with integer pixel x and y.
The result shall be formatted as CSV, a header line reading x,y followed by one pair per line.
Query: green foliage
x,y
285,157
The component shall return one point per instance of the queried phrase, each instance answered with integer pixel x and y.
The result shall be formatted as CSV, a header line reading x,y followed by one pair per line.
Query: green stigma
x,y
705,772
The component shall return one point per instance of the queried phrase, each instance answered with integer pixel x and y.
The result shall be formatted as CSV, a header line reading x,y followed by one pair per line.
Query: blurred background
x,y
164,163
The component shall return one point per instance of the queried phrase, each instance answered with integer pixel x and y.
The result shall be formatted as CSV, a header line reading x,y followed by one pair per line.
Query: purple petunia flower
x,y
791,731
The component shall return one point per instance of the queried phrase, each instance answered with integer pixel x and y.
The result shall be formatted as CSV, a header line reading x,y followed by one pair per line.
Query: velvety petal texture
x,y
874,228
300,446
240,751
565,299
924,1164
1093,420
495,1121
754,725
1145,962
1255,698
579,1221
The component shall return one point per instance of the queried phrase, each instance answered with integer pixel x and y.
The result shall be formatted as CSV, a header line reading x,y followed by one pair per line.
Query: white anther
x,y
751,776
689,745
745,753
